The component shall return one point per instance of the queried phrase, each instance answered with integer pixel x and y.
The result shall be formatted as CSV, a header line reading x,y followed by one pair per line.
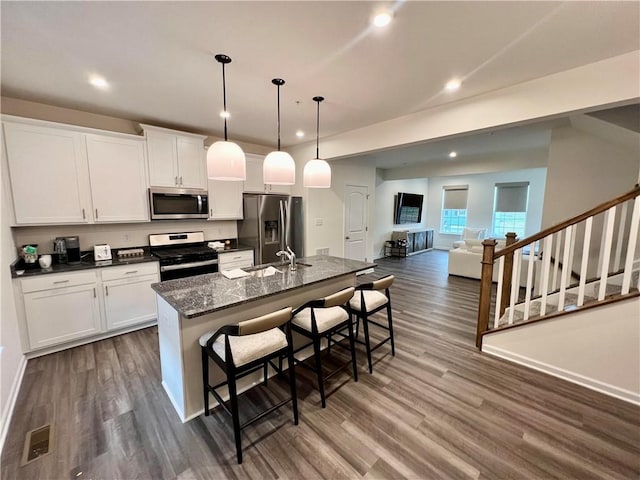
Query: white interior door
x,y
355,222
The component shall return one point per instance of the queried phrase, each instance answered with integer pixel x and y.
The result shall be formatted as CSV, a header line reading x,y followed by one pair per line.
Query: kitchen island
x,y
192,306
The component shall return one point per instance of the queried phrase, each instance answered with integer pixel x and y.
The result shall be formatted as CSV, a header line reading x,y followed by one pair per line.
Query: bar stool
x,y
372,298
325,317
241,349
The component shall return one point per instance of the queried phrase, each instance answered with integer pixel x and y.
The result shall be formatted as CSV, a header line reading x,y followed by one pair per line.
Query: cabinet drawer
x,y
231,260
60,280
127,271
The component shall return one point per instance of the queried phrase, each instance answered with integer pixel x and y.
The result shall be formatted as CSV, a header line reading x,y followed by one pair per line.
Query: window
x,y
510,208
454,209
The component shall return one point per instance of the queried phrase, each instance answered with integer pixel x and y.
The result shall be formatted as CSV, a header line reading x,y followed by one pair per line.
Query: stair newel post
x,y
486,279
508,272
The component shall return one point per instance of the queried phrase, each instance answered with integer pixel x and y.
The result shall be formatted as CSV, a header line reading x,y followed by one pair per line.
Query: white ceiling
x,y
158,57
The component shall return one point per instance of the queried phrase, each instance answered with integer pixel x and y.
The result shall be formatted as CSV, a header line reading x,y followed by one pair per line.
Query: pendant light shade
x,y
225,159
317,172
278,167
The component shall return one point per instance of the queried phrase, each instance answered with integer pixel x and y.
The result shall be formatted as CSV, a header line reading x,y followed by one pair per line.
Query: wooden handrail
x,y
572,221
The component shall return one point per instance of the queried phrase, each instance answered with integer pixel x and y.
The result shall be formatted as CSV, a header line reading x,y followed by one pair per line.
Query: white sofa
x,y
469,233
465,261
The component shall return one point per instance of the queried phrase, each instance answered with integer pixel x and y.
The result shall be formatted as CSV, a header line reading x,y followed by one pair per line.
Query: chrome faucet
x,y
289,255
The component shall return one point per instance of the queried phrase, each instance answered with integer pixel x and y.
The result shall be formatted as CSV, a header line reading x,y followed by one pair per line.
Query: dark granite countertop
x,y
202,294
86,264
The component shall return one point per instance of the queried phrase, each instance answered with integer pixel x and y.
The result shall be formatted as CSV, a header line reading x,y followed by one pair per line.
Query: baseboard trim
x,y
7,414
602,387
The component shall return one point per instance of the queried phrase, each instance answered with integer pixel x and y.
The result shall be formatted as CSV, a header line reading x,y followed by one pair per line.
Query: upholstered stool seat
x,y
369,299
323,318
372,300
326,318
242,349
247,348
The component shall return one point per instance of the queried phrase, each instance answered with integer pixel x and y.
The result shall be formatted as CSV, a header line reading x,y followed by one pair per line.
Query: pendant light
x,y
225,160
278,167
317,172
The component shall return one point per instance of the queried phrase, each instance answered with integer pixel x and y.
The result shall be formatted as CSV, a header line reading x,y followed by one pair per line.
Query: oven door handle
x,y
182,266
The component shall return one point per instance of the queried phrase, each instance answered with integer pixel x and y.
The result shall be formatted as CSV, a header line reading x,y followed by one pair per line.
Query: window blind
x,y
455,197
512,197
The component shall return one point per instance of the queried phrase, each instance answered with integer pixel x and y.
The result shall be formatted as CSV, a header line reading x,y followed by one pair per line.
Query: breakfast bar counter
x,y
192,306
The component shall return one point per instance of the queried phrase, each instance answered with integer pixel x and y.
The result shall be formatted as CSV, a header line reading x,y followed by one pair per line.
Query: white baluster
x,y
605,217
556,261
566,268
574,229
606,252
585,259
631,247
620,236
496,320
515,284
546,266
529,287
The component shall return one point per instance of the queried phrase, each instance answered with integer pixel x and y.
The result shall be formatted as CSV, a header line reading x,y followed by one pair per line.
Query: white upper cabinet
x,y
225,200
118,176
48,174
254,181
176,159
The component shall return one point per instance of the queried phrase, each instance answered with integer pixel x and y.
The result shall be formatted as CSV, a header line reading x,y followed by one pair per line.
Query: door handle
x,y
180,180
176,180
96,213
106,290
347,238
83,214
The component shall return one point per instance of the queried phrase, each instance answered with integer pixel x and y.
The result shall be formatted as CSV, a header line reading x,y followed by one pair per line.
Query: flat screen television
x,y
408,208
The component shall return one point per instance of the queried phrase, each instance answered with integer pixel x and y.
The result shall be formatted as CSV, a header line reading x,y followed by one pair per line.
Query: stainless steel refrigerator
x,y
271,223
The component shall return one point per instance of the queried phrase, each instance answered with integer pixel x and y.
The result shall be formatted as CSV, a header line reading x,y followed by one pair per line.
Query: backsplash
x,y
120,235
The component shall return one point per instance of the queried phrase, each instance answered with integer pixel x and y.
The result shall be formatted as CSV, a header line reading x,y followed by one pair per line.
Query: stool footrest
x,y
262,414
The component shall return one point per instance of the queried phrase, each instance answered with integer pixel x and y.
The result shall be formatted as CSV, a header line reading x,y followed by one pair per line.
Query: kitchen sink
x,y
268,270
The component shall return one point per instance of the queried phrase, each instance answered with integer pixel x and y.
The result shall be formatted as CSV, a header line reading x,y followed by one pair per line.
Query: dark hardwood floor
x,y
438,409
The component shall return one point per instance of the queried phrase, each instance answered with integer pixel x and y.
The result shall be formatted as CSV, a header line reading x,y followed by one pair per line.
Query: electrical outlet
x,y
319,222
126,238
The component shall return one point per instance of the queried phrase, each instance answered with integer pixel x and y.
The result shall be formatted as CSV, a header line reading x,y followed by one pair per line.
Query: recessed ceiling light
x,y
382,19
453,85
299,134
453,154
224,114
98,82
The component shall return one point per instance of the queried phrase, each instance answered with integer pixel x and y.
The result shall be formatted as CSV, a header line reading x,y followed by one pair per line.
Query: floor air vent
x,y
37,443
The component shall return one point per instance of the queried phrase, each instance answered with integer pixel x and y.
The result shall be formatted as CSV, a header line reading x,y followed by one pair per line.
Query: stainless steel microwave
x,y
178,203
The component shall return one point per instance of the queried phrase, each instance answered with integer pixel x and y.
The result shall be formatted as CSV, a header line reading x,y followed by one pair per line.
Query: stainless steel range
x,y
183,254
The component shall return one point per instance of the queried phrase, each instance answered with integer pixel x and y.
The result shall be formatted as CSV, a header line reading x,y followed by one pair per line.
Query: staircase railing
x,y
562,268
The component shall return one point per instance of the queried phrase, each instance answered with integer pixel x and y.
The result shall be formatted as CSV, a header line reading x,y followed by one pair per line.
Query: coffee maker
x,y
73,249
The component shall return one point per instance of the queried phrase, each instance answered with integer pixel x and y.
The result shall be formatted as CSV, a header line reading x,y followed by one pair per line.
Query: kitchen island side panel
x,y
171,358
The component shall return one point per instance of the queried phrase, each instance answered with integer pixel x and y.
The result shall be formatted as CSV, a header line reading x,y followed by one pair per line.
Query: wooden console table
x,y
418,240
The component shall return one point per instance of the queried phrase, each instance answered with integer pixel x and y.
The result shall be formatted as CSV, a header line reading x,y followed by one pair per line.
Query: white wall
x,y
585,170
12,361
581,348
480,200
384,204
326,206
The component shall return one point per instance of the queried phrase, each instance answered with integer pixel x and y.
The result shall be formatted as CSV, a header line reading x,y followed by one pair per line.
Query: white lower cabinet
x,y
62,308
128,297
231,260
